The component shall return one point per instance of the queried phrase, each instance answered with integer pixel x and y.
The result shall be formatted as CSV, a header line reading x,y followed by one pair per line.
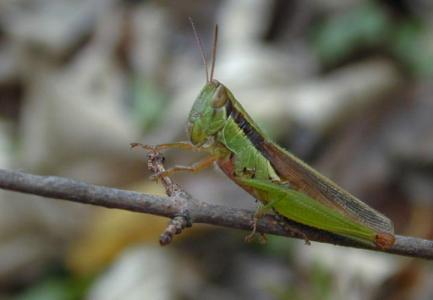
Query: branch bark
x,y
200,212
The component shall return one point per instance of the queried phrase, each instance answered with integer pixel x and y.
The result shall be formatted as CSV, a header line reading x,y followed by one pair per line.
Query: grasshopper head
x,y
207,115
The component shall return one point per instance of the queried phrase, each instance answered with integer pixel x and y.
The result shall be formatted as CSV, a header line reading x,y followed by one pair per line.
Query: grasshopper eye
x,y
220,97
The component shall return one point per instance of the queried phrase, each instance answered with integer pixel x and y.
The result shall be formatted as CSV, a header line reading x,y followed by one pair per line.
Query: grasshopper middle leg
x,y
196,167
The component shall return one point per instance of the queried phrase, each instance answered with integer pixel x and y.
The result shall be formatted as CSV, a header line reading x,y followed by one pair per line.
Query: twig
x,y
76,191
183,219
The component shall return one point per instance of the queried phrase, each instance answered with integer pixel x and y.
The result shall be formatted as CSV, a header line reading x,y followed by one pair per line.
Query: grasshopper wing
x,y
305,179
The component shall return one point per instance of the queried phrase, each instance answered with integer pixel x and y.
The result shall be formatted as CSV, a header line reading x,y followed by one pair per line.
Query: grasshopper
x,y
219,126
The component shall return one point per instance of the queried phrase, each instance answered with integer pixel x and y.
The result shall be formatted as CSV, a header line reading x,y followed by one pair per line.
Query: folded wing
x,y
303,178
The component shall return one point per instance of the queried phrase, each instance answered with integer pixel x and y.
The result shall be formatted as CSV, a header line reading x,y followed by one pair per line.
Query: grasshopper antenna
x,y
200,47
214,47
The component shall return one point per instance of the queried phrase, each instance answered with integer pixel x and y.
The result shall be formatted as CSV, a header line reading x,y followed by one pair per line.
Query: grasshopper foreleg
x,y
162,147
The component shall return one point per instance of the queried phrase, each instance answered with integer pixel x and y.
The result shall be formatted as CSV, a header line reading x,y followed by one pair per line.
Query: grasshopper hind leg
x,y
282,221
260,212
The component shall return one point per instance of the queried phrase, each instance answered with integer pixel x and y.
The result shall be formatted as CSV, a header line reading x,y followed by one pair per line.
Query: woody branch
x,y
182,205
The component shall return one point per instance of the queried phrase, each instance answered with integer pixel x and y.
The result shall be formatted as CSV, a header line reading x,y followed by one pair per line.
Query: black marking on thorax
x,y
250,132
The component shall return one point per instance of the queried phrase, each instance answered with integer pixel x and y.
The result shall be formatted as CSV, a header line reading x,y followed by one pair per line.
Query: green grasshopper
x,y
219,126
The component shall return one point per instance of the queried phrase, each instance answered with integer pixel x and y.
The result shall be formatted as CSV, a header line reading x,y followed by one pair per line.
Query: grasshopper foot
x,y
145,147
250,237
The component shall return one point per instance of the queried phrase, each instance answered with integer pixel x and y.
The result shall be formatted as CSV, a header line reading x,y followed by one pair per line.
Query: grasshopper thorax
x,y
208,114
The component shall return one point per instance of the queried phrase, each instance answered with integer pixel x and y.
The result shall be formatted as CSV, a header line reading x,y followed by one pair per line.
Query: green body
x,y
219,125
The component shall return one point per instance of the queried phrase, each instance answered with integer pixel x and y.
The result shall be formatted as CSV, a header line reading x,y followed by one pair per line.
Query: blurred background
x,y
345,85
